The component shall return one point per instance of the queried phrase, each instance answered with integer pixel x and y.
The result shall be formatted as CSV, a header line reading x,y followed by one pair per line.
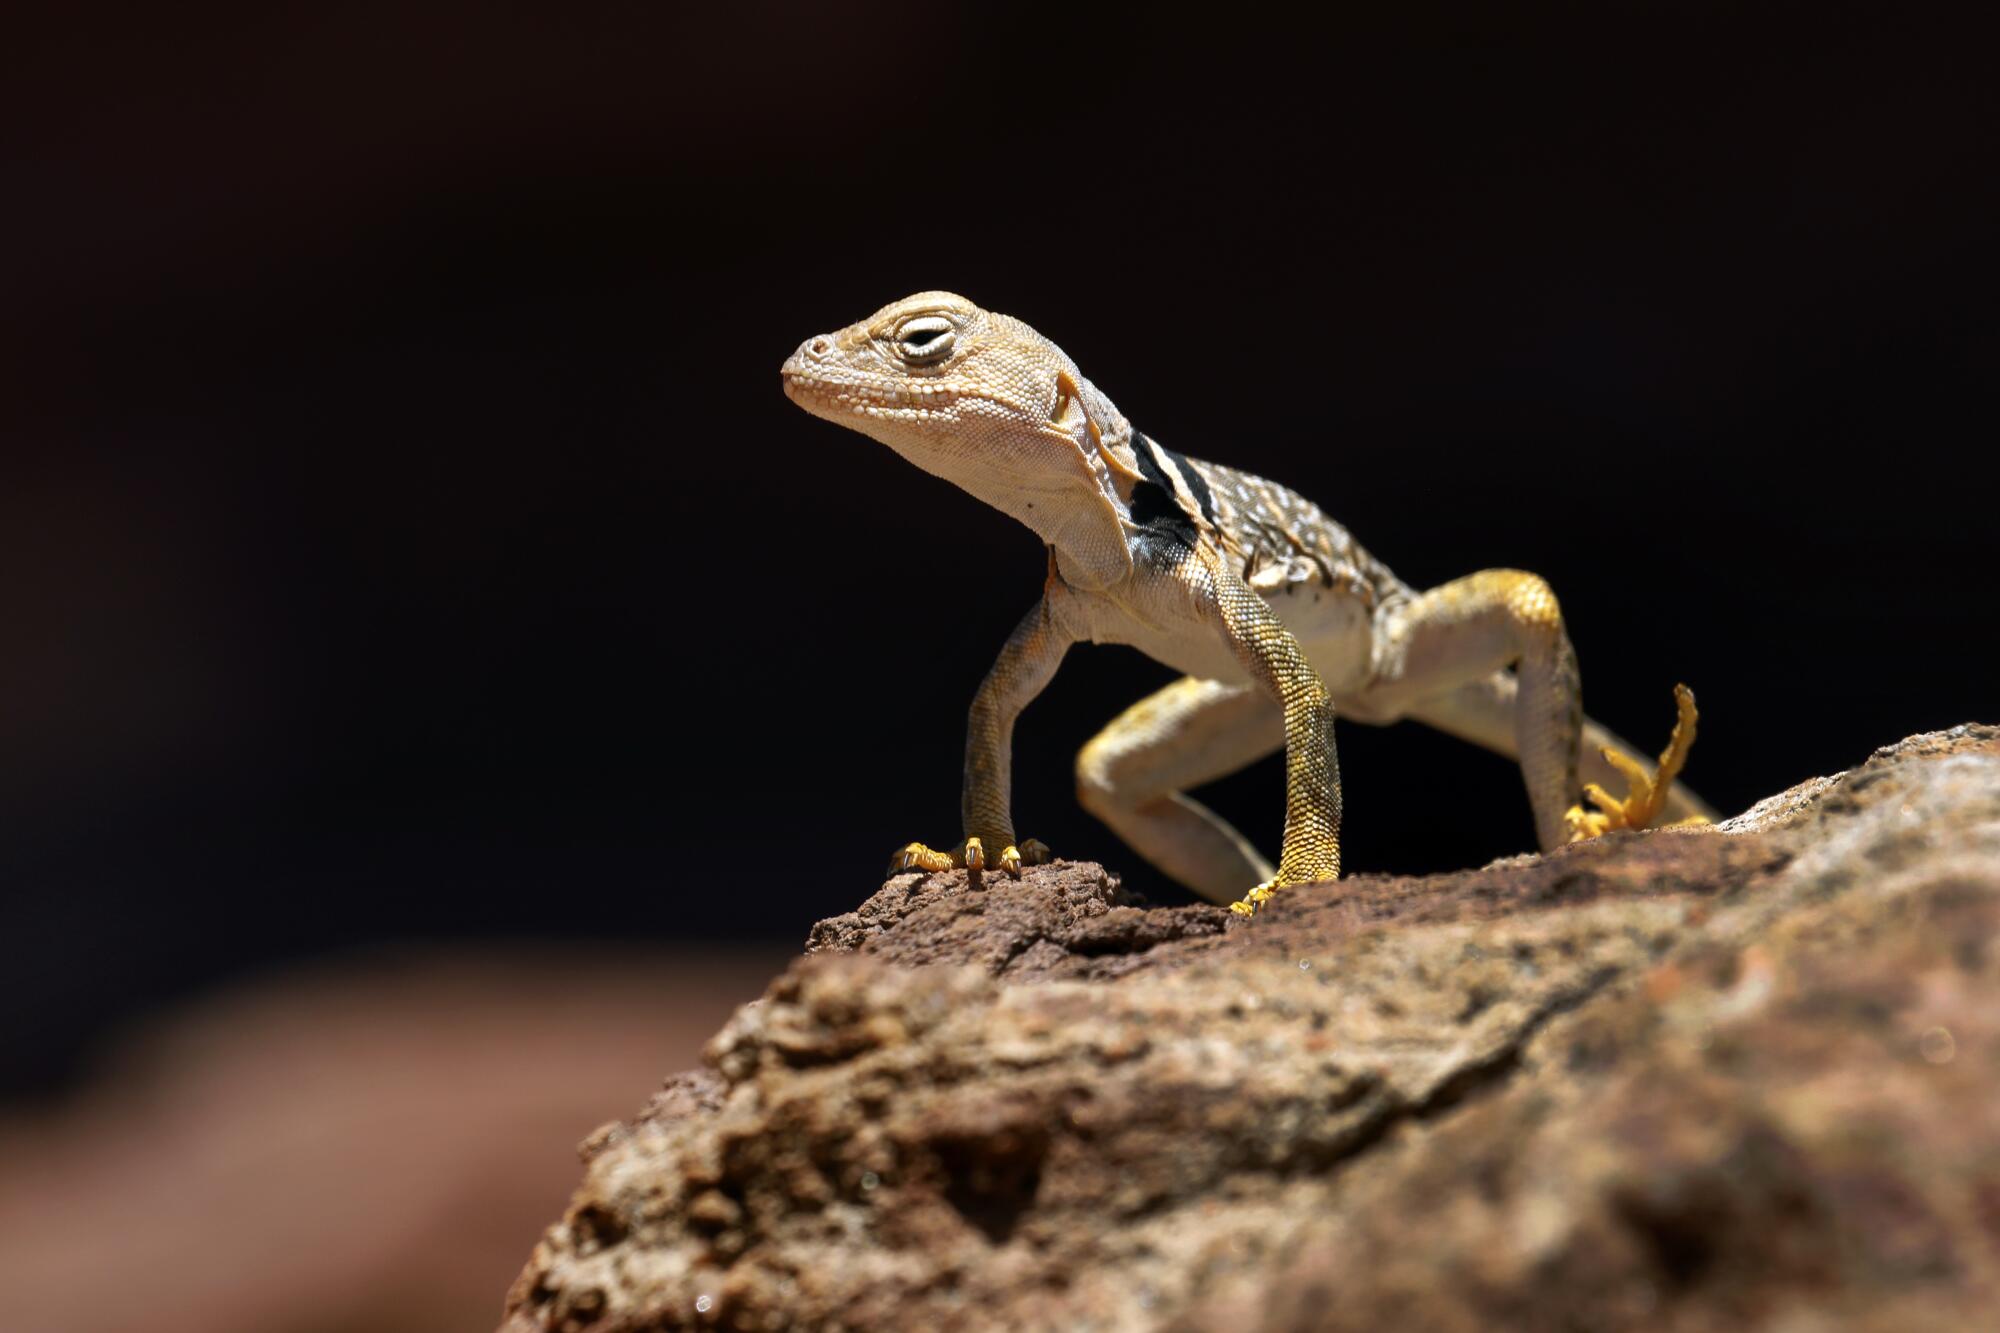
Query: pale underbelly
x,y
1334,630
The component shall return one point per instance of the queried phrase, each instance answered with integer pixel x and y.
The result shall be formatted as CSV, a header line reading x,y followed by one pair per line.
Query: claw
x,y
1254,899
1029,853
972,856
1647,794
916,856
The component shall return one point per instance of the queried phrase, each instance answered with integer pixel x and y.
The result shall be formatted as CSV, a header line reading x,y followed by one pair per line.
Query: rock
x,y
1746,1075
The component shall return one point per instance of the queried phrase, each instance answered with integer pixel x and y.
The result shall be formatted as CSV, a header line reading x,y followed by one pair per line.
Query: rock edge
x,y
1717,1078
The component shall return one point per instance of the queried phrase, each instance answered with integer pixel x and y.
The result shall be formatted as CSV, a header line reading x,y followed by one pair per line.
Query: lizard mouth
x,y
889,399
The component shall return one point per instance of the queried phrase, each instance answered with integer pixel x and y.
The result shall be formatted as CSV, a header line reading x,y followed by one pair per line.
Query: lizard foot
x,y
971,855
1648,794
1256,898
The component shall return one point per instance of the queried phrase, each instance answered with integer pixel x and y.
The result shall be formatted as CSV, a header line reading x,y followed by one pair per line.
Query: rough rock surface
x,y
1746,1076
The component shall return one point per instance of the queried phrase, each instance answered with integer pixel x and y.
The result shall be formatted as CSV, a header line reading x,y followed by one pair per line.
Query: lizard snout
x,y
811,351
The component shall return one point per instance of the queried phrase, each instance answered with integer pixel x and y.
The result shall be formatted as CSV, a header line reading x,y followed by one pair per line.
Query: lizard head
x,y
987,403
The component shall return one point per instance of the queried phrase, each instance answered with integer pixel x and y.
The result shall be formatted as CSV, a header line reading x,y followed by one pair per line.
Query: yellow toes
x,y
916,856
1647,793
1029,853
1254,899
970,855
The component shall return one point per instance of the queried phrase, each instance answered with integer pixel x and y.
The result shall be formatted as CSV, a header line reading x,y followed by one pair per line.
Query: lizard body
x,y
1242,584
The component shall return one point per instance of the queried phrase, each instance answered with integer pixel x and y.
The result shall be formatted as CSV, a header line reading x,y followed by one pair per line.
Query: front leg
x,y
1025,665
1267,650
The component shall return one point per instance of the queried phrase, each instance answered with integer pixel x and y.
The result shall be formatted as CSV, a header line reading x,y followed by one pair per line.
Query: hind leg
x,y
1430,650
1483,712
1464,631
1135,773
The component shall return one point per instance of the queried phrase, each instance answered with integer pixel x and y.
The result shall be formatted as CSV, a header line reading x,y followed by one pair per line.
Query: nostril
x,y
819,346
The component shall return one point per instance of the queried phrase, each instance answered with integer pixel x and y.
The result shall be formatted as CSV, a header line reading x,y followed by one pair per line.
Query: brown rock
x,y
1746,1076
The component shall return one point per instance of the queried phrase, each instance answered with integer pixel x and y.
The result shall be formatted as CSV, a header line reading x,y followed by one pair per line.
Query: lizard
x,y
1247,587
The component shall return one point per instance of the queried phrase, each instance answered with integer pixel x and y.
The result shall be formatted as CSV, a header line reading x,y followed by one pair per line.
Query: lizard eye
x,y
926,339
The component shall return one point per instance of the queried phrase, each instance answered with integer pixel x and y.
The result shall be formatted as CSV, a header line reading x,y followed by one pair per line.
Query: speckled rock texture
x,y
1737,1077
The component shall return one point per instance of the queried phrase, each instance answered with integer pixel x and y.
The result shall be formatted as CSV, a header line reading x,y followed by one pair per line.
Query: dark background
x,y
403,535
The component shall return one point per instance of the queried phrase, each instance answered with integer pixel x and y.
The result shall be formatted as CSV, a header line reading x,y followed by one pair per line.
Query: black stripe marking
x,y
1195,481
1153,504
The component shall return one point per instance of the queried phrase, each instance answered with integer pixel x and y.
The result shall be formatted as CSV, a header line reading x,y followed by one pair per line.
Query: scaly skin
x,y
1241,583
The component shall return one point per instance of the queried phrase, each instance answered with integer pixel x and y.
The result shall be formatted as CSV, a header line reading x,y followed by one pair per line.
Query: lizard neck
x,y
1079,515
1075,490
1088,527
